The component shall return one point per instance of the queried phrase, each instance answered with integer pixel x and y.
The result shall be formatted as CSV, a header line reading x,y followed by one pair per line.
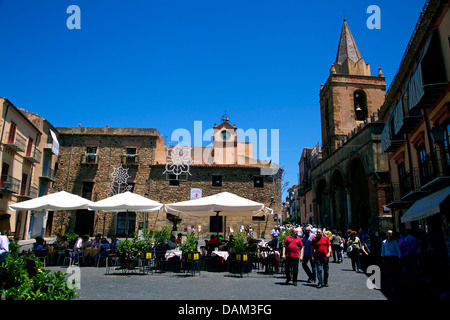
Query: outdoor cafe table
x,y
173,253
223,254
270,258
91,252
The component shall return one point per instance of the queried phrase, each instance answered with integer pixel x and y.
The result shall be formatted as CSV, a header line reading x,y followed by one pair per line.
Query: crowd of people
x,y
399,254
402,255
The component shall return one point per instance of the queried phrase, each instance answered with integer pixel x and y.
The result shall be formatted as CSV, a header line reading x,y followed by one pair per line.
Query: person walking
x,y
341,248
307,255
321,246
335,245
366,254
355,244
275,233
292,254
390,254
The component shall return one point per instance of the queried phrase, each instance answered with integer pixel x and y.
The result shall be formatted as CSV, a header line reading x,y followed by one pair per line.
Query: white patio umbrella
x,y
224,203
124,202
58,201
52,202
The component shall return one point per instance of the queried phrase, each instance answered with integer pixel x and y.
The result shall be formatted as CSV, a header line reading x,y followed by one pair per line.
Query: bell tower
x,y
225,142
350,94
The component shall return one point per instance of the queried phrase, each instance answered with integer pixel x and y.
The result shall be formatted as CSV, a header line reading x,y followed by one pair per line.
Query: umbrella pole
x,y
127,225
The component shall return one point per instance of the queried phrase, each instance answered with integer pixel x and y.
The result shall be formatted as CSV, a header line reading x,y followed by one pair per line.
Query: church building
x,y
347,182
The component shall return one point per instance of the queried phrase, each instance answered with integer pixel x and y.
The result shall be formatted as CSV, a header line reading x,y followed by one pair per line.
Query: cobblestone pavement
x,y
344,284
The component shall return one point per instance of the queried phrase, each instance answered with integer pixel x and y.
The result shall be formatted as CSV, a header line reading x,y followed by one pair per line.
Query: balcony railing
x,y
435,167
29,192
9,184
132,159
34,156
393,195
48,173
17,143
89,158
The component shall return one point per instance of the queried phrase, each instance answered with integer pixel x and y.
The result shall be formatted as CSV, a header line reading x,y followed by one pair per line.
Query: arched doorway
x,y
338,205
358,182
321,203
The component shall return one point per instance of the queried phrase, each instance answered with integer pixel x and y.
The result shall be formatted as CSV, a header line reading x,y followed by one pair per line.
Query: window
x,y
4,175
86,191
91,154
360,105
225,135
422,160
216,181
173,181
23,185
30,147
258,182
12,132
131,155
402,178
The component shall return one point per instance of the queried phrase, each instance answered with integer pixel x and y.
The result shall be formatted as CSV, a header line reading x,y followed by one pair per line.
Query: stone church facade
x,y
89,156
347,182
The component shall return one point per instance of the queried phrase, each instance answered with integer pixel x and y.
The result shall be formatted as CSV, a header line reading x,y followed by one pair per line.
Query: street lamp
x,y
437,134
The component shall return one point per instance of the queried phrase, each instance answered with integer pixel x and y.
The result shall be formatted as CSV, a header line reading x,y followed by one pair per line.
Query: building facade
x,y
90,157
343,188
416,136
309,159
29,150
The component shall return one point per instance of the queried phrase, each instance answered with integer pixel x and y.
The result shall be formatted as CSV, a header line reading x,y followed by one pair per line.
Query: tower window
x,y
360,104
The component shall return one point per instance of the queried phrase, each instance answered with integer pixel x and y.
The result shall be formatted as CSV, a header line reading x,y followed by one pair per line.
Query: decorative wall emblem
x,y
178,161
119,182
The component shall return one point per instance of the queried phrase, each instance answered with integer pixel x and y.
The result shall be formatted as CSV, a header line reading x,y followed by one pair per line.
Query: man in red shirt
x,y
321,246
292,254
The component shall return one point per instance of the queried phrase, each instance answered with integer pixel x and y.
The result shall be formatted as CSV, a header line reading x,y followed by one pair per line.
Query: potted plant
x,y
128,253
190,246
144,243
162,237
239,247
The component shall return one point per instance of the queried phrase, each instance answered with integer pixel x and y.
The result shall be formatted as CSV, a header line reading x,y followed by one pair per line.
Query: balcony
x,y
89,158
9,184
34,156
436,169
410,185
393,196
405,119
15,142
28,192
48,174
390,142
130,159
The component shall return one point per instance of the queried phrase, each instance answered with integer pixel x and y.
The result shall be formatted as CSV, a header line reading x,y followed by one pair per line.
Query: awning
x,y
55,144
427,206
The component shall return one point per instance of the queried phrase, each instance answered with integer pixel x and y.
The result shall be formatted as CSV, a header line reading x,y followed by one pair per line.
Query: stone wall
x,y
148,180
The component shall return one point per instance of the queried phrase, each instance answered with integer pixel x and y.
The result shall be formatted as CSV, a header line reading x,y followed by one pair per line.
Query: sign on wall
x,y
196,193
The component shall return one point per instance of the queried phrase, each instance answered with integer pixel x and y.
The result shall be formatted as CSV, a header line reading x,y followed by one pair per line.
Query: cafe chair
x,y
103,255
70,256
111,261
42,254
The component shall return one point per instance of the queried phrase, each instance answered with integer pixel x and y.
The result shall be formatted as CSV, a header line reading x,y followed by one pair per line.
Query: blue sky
x,y
166,63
